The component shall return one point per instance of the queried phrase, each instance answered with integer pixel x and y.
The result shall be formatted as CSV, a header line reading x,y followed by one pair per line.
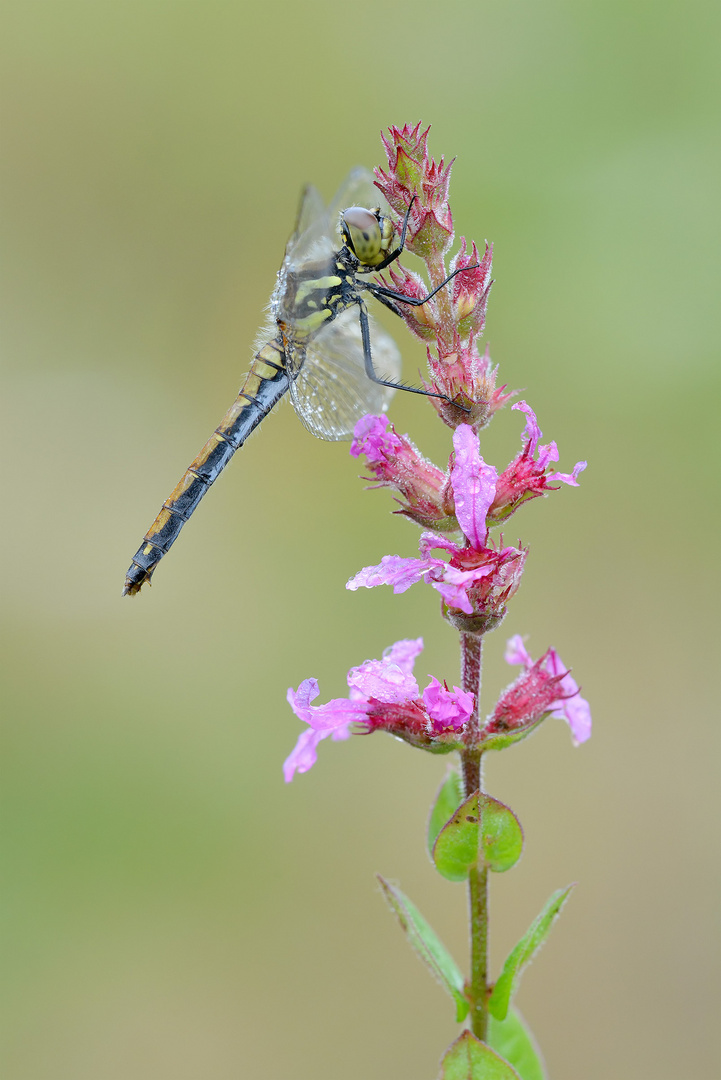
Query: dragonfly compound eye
x,y
362,233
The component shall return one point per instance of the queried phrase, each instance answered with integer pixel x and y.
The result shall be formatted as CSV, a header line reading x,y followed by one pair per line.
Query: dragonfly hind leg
x,y
371,372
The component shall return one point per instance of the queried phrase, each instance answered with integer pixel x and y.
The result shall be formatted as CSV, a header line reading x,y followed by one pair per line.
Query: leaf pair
x,y
481,831
507,1034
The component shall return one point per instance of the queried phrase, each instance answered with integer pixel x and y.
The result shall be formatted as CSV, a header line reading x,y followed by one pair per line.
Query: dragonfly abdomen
x,y
264,385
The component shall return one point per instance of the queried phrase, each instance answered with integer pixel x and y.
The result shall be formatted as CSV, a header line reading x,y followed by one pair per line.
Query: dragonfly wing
x,y
311,209
317,233
332,391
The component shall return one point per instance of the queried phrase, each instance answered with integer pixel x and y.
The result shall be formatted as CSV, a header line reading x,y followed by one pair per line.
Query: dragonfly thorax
x,y
366,233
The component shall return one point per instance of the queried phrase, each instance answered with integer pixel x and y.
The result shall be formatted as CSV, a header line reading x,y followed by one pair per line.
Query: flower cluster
x,y
455,317
384,696
474,575
480,577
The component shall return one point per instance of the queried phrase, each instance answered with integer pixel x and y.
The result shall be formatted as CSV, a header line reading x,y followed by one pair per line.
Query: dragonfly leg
x,y
371,372
381,291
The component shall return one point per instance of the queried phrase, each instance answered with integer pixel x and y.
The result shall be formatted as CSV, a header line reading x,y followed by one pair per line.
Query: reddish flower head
x,y
393,461
529,475
544,688
465,376
412,172
471,289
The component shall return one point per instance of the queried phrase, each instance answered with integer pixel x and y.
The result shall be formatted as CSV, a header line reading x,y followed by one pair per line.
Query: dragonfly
x,y
320,346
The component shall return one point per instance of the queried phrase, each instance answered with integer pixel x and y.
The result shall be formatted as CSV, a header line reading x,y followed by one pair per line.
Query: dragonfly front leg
x,y
381,291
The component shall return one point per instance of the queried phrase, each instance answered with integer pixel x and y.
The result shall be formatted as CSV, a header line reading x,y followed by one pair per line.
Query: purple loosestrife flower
x,y
527,477
395,462
384,696
479,578
543,688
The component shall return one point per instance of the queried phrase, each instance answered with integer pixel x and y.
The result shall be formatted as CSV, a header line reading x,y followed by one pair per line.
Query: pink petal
x,y
517,653
304,756
453,584
577,713
572,708
570,478
446,709
384,681
547,454
532,432
300,699
404,653
336,713
474,486
373,439
393,570
455,596
430,541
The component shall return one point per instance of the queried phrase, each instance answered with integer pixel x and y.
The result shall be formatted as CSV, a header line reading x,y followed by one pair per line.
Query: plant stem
x,y
471,670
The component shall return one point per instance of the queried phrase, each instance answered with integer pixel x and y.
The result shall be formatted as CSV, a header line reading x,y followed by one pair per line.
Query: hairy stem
x,y
471,669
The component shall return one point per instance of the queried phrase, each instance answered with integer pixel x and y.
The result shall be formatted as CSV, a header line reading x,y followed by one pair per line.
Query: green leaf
x,y
429,947
523,953
448,799
470,1059
456,849
513,1041
502,835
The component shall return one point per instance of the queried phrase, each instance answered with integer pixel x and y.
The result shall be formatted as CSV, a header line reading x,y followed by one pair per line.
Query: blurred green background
x,y
172,910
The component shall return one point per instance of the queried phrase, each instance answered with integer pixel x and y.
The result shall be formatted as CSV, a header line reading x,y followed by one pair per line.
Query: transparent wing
x,y
357,189
311,209
332,391
317,236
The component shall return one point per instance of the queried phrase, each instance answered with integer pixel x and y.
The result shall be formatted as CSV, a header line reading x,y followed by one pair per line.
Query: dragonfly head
x,y
366,233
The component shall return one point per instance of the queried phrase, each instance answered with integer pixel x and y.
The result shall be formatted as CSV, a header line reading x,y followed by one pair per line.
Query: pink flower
x,y
528,475
544,687
395,462
479,578
384,695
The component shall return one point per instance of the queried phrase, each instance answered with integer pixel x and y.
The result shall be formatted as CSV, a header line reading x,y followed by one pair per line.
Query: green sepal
x,y
470,1059
429,947
448,799
456,849
513,1041
504,739
523,953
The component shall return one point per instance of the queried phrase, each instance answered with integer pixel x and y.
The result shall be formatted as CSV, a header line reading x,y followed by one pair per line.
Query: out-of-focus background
x,y
172,910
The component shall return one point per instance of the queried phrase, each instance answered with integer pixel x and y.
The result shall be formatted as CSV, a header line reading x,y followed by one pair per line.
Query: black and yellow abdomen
x,y
263,388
